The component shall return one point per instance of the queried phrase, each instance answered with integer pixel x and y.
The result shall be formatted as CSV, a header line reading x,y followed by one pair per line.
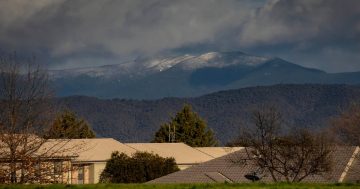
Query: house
x,y
224,169
71,161
93,154
27,158
91,157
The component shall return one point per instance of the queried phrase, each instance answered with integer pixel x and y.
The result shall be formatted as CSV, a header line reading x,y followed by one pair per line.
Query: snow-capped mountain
x,y
188,75
150,65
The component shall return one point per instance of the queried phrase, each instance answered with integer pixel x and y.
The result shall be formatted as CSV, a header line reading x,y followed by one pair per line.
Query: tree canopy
x,y
188,127
141,167
68,125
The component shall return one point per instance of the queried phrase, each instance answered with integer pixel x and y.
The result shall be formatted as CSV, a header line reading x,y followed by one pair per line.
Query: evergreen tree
x,y
68,125
187,127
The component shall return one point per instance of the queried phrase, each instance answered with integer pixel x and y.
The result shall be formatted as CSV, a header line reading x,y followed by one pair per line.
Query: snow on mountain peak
x,y
166,63
145,66
222,59
208,56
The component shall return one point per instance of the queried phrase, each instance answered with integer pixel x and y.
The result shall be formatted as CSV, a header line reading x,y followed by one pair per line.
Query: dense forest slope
x,y
305,105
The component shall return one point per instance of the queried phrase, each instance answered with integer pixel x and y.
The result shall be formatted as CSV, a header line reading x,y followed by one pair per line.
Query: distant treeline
x,y
226,112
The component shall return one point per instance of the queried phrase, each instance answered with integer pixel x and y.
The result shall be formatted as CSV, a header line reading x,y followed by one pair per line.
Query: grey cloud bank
x,y
73,33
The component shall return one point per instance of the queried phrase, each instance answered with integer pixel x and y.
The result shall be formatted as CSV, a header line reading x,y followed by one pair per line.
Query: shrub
x,y
141,167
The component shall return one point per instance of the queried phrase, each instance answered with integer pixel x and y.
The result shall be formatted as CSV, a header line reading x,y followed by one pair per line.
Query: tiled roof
x,y
199,173
217,177
216,152
341,157
353,174
235,172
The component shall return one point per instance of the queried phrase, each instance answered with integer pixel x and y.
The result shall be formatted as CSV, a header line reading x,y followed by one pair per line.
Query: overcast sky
x,y
323,34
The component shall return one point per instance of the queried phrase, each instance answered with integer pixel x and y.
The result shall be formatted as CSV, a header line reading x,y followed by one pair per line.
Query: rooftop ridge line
x,y
203,152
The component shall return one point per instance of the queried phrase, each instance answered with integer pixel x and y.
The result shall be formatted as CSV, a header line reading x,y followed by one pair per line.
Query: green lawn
x,y
187,186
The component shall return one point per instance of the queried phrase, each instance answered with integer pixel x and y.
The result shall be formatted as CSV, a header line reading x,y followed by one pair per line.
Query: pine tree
x,y
187,127
68,125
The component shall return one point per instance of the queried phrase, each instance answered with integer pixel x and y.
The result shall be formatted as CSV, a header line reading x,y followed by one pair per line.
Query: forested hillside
x,y
305,105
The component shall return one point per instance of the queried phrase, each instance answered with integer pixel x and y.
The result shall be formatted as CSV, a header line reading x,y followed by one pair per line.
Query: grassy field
x,y
187,186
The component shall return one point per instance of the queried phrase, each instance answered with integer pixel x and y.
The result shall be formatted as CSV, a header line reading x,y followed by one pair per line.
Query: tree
x,y
346,127
142,167
188,127
68,125
289,157
25,114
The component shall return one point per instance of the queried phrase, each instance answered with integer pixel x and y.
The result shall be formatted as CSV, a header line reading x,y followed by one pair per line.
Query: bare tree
x,y
346,127
346,130
25,115
289,157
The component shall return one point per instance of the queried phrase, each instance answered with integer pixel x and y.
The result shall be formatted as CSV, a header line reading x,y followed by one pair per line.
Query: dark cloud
x,y
321,33
301,21
120,27
72,33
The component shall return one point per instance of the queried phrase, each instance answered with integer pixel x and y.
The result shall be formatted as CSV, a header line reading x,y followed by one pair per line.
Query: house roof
x,y
341,157
224,169
182,153
216,152
34,146
88,150
101,149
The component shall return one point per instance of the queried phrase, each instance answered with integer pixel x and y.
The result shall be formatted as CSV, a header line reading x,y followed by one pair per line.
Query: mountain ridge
x,y
190,75
129,120
160,63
